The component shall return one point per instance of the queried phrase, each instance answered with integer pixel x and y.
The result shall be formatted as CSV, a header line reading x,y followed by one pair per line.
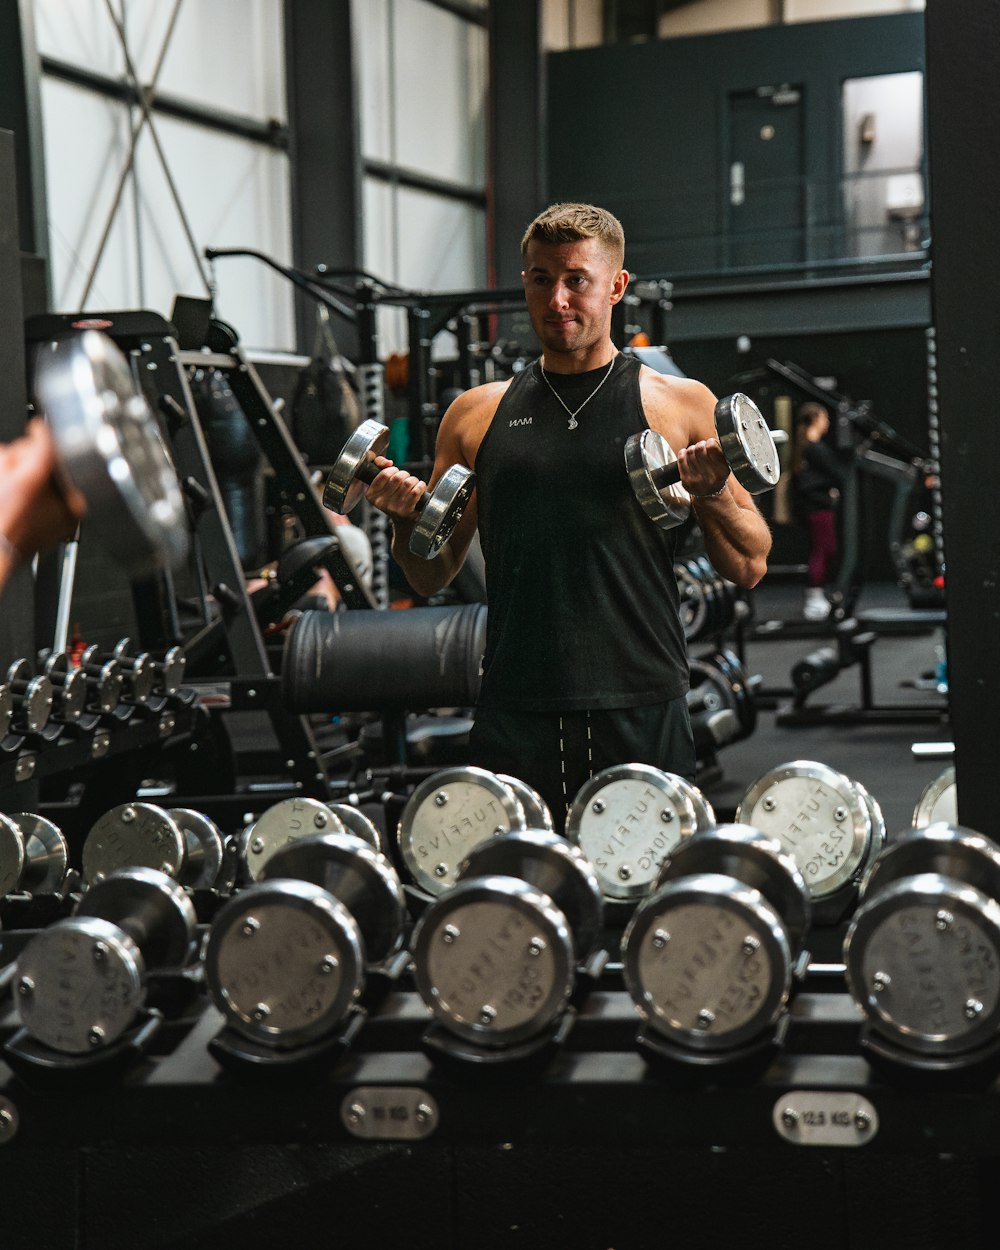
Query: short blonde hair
x,y
569,223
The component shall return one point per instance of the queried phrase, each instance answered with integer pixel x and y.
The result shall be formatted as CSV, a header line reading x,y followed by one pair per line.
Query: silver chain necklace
x,y
573,423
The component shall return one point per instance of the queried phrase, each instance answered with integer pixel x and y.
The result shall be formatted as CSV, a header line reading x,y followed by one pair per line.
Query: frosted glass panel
x,y
441,243
373,32
226,54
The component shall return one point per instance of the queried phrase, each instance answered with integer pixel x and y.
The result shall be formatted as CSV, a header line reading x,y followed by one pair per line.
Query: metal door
x,y
766,177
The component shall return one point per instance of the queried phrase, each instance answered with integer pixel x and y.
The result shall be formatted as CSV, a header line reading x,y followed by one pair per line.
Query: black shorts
x,y
556,752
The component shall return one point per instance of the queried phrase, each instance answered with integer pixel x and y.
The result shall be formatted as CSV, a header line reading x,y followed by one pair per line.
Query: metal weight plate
x,y
877,818
357,876
923,963
12,855
110,447
645,453
753,858
704,813
938,801
133,835
69,687
204,848
693,604
950,851
283,962
33,697
552,865
626,820
446,816
280,824
707,961
344,488
819,817
150,907
6,710
494,960
170,671
747,443
79,984
46,853
355,821
536,810
442,511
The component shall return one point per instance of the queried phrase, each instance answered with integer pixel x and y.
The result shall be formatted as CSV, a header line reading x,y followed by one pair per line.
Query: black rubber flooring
x,y
874,747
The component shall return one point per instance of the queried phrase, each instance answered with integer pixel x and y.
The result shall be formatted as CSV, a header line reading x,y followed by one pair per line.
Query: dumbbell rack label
x,y
811,1117
389,1113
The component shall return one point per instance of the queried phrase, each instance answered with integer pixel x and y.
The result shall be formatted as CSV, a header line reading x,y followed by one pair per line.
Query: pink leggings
x,y
822,545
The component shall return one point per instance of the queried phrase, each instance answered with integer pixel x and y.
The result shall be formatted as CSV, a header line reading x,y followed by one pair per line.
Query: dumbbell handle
x,y
369,471
669,474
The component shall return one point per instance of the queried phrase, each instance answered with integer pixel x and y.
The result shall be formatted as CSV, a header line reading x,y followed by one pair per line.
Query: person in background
x,y
816,485
37,508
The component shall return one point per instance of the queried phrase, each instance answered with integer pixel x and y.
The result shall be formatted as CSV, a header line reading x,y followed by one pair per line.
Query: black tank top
x,y
583,603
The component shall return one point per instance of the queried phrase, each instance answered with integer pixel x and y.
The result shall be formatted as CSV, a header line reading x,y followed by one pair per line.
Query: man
x,y
585,664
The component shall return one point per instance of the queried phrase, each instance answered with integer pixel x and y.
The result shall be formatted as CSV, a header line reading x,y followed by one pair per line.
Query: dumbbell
x,y
536,810
922,951
938,801
81,982
746,442
286,958
710,956
626,820
178,842
355,821
31,696
34,855
447,814
281,823
69,688
105,680
829,824
439,510
109,445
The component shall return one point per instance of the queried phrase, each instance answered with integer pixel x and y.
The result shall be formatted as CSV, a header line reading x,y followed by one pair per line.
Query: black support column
x,y
324,147
963,48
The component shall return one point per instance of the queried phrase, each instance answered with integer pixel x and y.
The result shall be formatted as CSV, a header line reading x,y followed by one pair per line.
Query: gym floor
x,y
875,749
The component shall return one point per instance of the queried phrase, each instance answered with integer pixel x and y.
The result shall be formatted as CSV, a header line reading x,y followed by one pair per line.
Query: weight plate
x,y
345,487
646,453
150,907
951,851
283,962
552,865
923,964
133,835
357,876
204,847
693,605
446,816
280,824
707,961
819,818
356,822
704,813
494,960
442,511
753,858
747,443
938,801
110,447
536,810
46,853
79,984
12,846
6,710
626,820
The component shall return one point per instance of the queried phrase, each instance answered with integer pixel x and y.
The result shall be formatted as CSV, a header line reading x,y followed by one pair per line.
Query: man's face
x,y
570,289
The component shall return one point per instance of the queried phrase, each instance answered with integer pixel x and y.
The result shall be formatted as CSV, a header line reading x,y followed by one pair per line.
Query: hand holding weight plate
x,y
439,510
747,444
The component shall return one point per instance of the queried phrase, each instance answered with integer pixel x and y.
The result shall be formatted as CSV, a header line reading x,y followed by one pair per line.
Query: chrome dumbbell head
x,y
494,960
69,688
203,847
32,697
34,855
284,962
357,876
626,820
355,821
446,816
923,950
280,824
536,810
80,982
820,818
553,866
134,835
105,680
938,801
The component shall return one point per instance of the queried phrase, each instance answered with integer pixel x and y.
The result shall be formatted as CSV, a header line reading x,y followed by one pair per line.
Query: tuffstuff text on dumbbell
x,y
440,509
746,441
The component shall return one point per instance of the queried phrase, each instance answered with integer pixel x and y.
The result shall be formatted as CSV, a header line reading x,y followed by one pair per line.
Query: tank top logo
x,y
518,421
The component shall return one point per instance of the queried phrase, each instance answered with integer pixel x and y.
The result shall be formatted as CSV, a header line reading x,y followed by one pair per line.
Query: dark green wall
x,y
641,128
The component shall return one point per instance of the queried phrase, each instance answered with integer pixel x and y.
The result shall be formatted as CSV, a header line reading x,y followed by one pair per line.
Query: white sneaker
x,y
816,606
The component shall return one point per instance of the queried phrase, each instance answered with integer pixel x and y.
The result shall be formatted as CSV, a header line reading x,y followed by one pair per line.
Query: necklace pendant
x,y
573,423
